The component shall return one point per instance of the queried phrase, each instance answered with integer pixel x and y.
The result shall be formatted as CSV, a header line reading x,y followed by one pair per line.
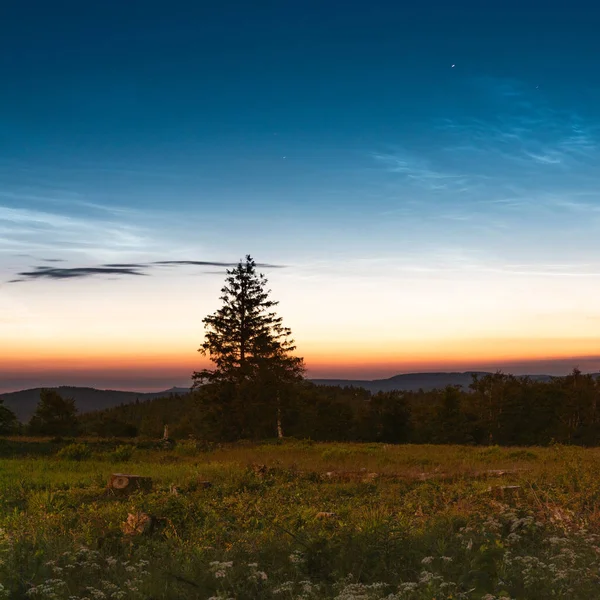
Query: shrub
x,y
75,452
122,453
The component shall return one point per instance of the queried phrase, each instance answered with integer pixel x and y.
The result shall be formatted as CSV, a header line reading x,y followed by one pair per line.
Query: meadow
x,y
298,520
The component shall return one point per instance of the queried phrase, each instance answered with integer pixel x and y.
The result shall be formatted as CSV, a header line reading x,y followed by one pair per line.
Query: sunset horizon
x,y
158,373
427,214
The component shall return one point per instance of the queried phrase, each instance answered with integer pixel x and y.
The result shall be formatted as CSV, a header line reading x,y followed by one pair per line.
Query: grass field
x,y
300,520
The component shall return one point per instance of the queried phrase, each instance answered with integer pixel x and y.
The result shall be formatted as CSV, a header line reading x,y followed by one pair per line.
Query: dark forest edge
x,y
495,409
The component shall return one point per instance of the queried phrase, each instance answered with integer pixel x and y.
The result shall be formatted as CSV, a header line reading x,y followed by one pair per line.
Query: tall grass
x,y
301,520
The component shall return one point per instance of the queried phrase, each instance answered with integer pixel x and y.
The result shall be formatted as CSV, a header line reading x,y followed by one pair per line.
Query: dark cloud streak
x,y
71,273
203,263
125,265
136,269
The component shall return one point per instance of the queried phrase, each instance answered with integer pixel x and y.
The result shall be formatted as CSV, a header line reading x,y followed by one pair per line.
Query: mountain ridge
x,y
412,382
87,399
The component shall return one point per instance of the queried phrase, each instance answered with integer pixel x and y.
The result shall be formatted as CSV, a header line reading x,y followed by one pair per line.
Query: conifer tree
x,y
54,415
8,419
250,348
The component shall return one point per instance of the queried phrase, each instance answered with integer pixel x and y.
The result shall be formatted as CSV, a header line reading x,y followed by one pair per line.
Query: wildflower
x,y
287,586
296,557
219,569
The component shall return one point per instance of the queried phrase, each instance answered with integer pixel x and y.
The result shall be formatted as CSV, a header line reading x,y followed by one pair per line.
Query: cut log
x,y
123,484
326,515
362,475
139,524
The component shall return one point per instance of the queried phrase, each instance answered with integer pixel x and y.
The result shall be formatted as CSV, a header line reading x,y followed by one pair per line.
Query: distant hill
x,y
23,403
412,382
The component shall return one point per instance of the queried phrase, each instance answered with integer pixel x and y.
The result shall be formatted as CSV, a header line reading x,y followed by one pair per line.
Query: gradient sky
x,y
425,177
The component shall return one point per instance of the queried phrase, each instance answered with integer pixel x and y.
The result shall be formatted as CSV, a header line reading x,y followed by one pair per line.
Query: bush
x,y
75,452
122,453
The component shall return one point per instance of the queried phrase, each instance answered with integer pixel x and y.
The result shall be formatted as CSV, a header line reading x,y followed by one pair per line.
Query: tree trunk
x,y
279,426
243,327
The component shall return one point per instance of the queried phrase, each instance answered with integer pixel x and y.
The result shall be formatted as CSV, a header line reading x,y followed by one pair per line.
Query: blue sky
x,y
374,150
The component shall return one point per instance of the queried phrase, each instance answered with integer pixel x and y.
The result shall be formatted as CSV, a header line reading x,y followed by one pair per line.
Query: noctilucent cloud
x,y
420,181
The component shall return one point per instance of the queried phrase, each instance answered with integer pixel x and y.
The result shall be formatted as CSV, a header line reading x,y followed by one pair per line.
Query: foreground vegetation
x,y
299,520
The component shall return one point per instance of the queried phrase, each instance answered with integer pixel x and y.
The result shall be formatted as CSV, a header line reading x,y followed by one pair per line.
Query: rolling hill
x,y
23,403
413,382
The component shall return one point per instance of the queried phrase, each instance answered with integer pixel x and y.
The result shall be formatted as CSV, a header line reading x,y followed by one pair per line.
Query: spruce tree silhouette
x,y
251,350
8,419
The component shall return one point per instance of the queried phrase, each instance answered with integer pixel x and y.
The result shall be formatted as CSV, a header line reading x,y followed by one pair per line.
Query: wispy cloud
x,y
120,269
552,158
419,172
71,273
528,131
46,231
422,174
63,198
526,158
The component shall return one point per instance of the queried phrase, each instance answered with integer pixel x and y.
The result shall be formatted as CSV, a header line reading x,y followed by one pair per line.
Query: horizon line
x,y
161,388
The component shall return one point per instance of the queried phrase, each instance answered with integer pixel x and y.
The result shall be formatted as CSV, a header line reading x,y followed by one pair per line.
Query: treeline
x,y
495,409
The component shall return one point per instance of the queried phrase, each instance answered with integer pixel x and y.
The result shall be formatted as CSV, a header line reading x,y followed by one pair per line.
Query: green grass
x,y
413,522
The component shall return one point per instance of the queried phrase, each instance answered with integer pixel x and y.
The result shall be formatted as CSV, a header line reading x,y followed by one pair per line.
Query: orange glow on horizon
x,y
416,355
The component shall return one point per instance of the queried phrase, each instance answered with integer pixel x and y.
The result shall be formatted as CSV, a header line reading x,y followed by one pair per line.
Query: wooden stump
x,y
138,524
122,484
326,515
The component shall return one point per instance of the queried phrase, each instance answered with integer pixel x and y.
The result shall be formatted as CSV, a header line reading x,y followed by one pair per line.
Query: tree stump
x,y
139,524
326,515
122,484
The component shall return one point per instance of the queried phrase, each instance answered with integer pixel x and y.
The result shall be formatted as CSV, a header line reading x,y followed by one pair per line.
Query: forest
x,y
496,409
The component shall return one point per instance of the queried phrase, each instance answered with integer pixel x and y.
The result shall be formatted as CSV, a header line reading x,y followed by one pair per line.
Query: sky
x,y
420,180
